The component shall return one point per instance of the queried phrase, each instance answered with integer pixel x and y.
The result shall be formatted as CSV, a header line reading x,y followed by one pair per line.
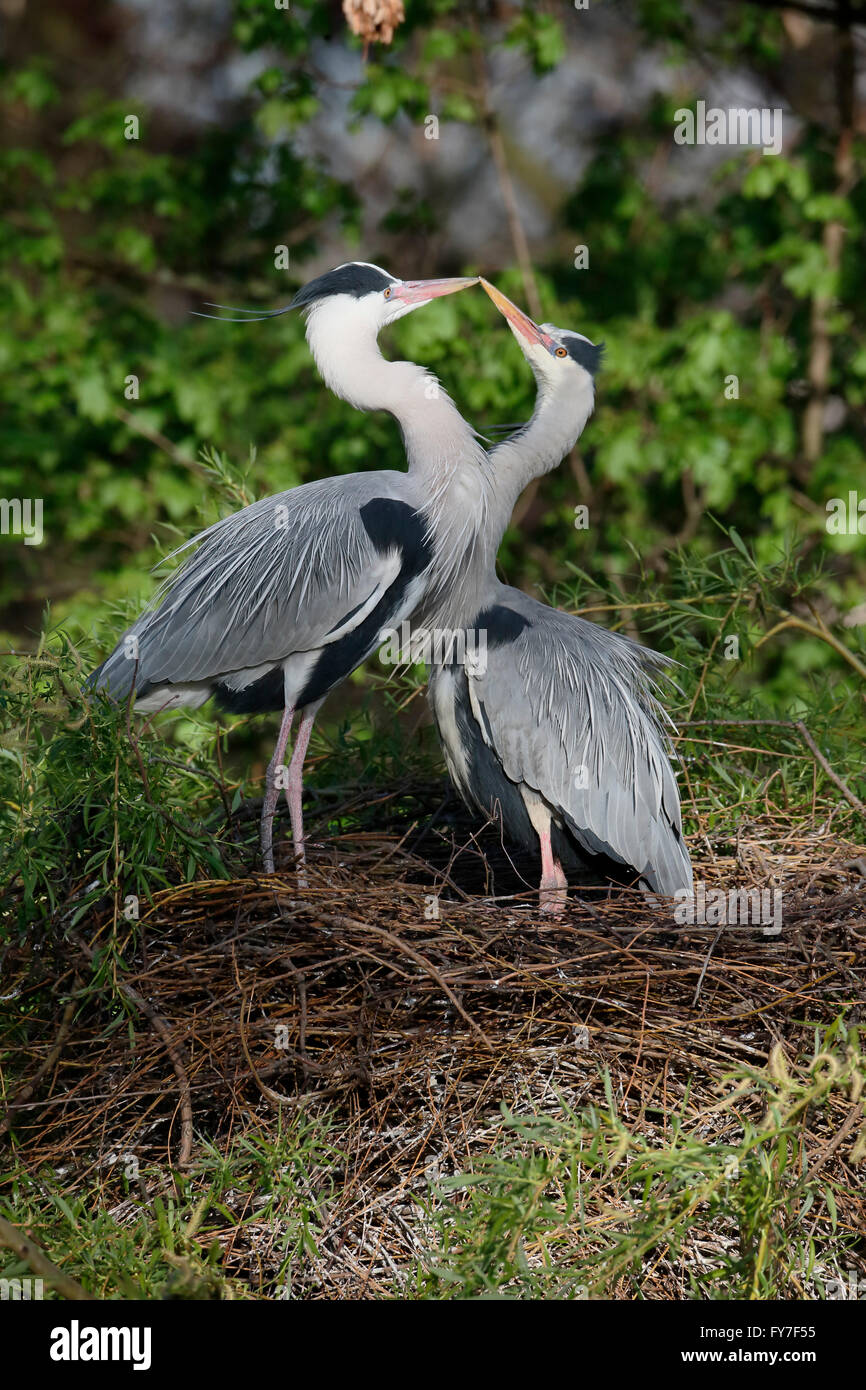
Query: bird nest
x,y
250,1000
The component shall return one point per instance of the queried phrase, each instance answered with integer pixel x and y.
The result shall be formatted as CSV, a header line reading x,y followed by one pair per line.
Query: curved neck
x,y
556,424
437,438
447,463
468,494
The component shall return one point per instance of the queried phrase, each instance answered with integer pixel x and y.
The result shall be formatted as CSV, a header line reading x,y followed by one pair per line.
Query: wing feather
x,y
571,711
290,573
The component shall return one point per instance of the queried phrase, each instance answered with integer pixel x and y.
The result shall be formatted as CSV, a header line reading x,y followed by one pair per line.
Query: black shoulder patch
x,y
502,625
586,355
391,524
354,279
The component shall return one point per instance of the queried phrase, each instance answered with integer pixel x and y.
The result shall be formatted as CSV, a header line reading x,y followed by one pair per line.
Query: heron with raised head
x,y
281,601
559,737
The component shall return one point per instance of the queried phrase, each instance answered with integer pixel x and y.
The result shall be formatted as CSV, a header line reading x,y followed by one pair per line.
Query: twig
x,y
161,1027
854,1114
276,1097
715,642
815,631
409,951
160,440
27,1090
39,1262
834,776
713,944
199,772
799,727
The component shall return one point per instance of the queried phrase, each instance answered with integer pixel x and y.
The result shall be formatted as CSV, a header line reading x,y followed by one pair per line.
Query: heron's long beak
x,y
521,323
419,291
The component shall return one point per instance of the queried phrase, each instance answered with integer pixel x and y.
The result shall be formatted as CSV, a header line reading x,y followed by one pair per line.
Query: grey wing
x,y
570,712
290,573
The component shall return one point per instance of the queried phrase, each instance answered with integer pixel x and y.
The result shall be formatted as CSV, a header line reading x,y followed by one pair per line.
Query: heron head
x,y
355,297
366,295
346,308
559,356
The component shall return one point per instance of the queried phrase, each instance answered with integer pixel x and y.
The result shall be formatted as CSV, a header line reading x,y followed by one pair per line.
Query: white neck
x,y
446,461
466,494
558,420
352,366
552,431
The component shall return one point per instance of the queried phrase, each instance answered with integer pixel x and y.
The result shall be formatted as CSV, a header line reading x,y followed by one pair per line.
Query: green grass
x,y
575,1204
581,1204
238,1225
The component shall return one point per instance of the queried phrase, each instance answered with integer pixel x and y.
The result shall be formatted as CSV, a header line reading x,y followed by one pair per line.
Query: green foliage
x,y
93,807
109,242
571,1205
541,37
262,1188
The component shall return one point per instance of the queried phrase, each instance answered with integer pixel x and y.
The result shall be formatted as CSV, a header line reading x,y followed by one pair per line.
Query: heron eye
x,y
388,292
561,352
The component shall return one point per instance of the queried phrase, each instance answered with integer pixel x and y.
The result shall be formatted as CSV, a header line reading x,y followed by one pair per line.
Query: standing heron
x,y
281,601
560,737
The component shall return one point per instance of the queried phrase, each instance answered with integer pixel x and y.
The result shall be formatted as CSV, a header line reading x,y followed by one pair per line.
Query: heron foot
x,y
301,864
552,897
553,889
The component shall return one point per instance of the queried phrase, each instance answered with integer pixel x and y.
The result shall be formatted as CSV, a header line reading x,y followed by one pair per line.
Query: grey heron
x,y
280,602
560,736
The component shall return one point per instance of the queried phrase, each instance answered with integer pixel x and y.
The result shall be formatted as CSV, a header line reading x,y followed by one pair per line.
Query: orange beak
x,y
521,323
419,291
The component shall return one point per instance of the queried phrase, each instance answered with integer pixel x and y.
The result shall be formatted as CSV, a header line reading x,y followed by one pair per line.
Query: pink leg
x,y
553,889
295,788
272,791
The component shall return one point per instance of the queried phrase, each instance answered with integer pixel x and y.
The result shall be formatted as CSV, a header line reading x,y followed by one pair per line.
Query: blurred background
x,y
533,143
